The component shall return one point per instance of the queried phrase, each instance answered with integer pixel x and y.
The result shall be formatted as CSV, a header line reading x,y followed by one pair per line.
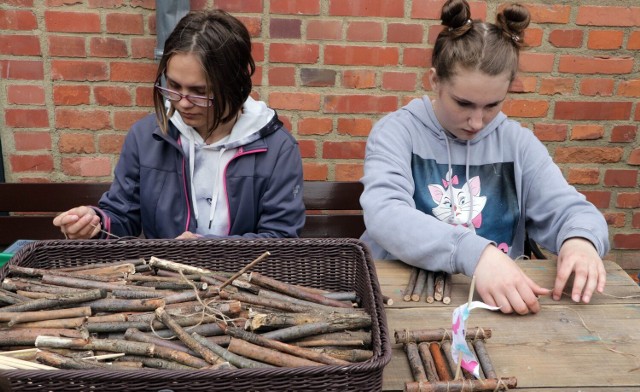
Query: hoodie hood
x,y
207,162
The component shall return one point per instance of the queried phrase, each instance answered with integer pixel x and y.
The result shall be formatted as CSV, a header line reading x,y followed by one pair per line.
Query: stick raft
x,y
163,314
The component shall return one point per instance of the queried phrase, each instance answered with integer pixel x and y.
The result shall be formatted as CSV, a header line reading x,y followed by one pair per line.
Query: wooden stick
x,y
264,293
475,354
245,269
87,268
293,291
157,363
421,280
489,384
30,285
439,286
232,358
484,359
346,338
89,284
430,289
39,272
10,297
21,364
441,366
299,331
48,303
27,337
26,354
61,362
283,320
471,290
178,267
125,305
20,317
415,364
266,302
430,335
445,345
351,355
136,335
427,361
446,295
408,291
274,357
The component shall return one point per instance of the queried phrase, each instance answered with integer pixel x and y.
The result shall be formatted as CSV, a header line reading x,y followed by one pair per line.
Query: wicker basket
x,y
334,264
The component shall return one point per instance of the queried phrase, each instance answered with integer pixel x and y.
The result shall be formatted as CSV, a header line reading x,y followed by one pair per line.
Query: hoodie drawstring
x,y
216,189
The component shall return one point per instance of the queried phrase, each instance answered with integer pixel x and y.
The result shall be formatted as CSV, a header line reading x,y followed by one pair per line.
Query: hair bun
x,y
513,20
456,14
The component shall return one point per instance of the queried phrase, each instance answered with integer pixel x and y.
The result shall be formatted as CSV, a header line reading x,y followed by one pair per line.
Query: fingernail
x,y
576,298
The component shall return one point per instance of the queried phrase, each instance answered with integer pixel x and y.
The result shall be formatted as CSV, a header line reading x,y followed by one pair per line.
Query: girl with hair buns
x,y
451,184
212,161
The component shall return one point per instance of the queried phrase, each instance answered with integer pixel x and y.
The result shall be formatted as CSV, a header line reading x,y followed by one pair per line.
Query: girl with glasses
x,y
212,161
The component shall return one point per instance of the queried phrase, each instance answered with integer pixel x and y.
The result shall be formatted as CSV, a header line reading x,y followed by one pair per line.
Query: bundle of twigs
x,y
436,286
433,368
161,314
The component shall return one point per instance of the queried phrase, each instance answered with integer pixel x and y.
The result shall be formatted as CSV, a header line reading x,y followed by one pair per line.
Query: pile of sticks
x,y
436,286
124,314
433,368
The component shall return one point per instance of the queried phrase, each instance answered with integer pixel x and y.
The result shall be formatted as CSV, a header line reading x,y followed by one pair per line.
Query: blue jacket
x,y
150,193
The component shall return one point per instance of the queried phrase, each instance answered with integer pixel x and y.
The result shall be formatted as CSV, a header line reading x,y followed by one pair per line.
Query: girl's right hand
x,y
500,282
78,223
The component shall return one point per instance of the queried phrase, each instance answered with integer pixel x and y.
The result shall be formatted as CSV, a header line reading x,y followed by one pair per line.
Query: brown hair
x,y
223,46
490,48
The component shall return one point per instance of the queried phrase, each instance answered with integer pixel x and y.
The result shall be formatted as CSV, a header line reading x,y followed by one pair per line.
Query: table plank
x,y
566,346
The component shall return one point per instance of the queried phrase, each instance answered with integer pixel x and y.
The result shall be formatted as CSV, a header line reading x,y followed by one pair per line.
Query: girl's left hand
x,y
187,235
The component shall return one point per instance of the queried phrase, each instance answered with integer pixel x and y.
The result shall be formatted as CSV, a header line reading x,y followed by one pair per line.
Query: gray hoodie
x,y
436,202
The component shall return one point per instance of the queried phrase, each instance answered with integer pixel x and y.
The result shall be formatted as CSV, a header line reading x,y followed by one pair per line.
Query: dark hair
x,y
223,45
490,48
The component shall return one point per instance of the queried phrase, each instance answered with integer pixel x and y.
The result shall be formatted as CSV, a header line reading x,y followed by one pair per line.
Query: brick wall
x,y
75,74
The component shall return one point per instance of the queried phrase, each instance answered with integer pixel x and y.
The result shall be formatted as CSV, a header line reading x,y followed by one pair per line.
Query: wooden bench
x,y
333,208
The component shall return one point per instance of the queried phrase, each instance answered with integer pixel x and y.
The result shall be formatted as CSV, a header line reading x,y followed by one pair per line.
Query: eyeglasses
x,y
175,96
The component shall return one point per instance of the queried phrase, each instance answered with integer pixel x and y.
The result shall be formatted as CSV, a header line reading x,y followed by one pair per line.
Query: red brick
x,y
253,24
364,31
21,69
592,110
552,86
628,200
282,76
31,163
295,7
133,72
19,3
343,150
624,133
294,101
634,40
66,46
536,62
315,171
19,45
636,220
112,96
594,87
324,29
523,84
551,132
634,157
361,55
307,148
599,65
430,9
621,178
107,47
25,95
583,176
608,16
124,23
400,81
123,120
144,4
615,219
142,48
257,51
405,33
637,115
315,126
144,96
78,70
76,143
354,126
294,53
17,20
349,172
71,95
587,132
82,119
605,39
103,3
600,199
240,5
433,33
26,118
31,141
360,104
543,13
313,77
359,79
626,241
533,37
417,57
72,22
629,88
87,167
566,38
525,108
286,121
376,8
110,144
285,28
588,154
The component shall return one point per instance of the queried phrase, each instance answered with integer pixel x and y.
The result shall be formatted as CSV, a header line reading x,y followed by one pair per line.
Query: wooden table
x,y
565,347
